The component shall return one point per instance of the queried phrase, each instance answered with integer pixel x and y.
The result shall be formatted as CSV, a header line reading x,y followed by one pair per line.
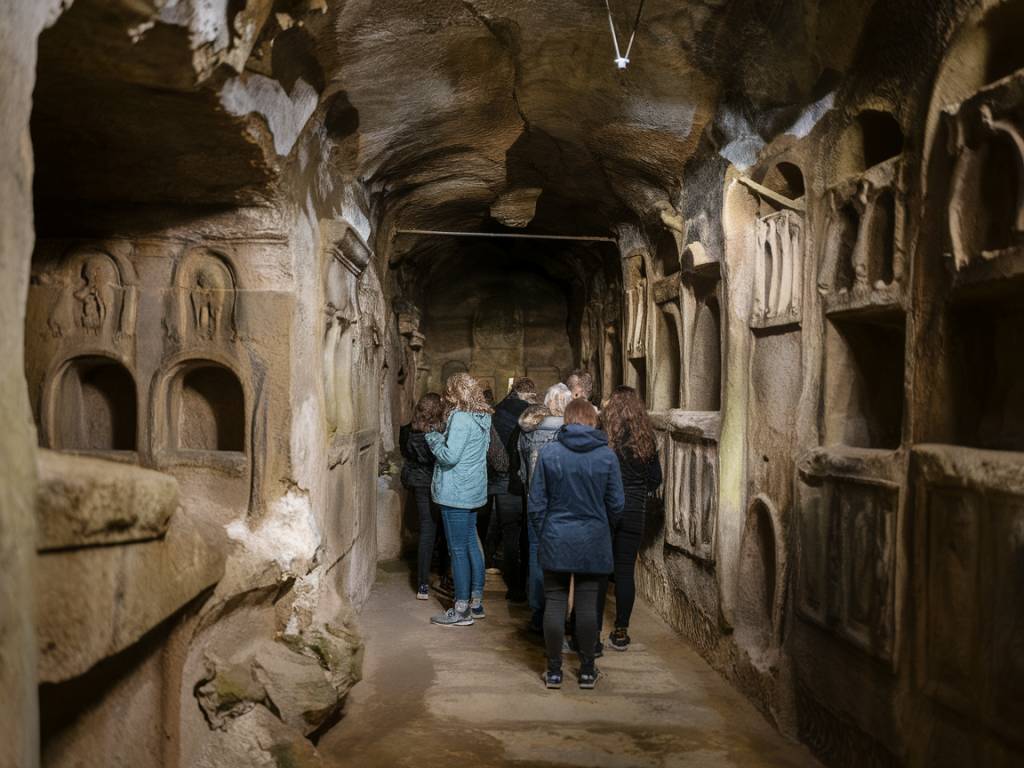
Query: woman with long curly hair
x,y
417,474
459,487
631,436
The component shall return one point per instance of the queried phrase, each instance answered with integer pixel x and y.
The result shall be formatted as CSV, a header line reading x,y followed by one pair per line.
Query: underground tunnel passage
x,y
242,240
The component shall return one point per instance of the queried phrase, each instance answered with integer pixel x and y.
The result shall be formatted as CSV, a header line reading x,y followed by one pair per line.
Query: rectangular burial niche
x,y
639,366
842,240
986,368
96,407
864,369
208,409
705,372
668,365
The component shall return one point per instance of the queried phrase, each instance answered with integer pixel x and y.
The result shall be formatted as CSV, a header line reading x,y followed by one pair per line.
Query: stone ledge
x,y
976,468
84,501
841,461
704,425
94,602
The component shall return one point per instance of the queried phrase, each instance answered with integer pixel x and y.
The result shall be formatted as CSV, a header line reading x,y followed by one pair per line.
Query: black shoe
x,y
553,679
515,597
598,650
588,678
446,588
619,639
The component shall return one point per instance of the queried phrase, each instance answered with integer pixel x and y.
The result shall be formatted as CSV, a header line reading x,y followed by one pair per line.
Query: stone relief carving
x,y
836,739
864,263
498,324
206,303
847,558
690,493
778,269
96,301
636,316
985,211
970,547
354,326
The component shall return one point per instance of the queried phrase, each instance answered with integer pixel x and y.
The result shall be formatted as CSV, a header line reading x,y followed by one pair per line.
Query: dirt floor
x,y
439,696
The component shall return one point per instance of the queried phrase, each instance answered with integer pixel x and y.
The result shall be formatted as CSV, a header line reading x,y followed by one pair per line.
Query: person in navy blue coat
x,y
576,499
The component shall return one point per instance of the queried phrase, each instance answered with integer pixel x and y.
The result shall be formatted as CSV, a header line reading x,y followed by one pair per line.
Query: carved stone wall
x,y
497,324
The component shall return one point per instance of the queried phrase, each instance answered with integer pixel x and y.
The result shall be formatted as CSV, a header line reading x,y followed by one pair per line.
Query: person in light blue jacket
x,y
459,486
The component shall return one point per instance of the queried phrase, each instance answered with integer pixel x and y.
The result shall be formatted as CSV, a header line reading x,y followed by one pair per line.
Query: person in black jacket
x,y
417,474
576,499
508,497
631,436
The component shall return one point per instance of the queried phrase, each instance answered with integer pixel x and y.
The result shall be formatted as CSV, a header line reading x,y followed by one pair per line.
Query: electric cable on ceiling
x,y
622,60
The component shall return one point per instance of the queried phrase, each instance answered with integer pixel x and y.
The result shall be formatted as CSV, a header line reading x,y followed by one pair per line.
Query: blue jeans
x,y
535,578
467,556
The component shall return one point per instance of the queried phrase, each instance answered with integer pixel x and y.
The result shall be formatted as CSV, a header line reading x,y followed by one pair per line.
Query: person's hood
x,y
532,417
552,423
483,420
581,438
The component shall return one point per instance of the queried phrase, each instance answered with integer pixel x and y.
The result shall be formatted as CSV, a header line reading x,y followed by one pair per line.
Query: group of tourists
x,y
567,485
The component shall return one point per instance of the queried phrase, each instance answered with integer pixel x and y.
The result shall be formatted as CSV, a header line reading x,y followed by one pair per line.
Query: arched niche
x,y
207,408
97,302
786,179
666,252
880,241
763,565
873,137
779,261
838,274
449,369
206,288
93,406
1003,51
705,381
667,384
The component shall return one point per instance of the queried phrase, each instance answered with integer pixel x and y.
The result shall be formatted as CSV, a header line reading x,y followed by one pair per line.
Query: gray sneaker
x,y
452,618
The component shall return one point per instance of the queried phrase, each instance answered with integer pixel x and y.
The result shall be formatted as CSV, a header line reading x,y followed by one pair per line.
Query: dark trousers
x,y
556,602
509,510
484,525
429,515
626,540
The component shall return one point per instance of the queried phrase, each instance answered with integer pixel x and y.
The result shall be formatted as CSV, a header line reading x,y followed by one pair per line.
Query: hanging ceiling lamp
x,y
622,59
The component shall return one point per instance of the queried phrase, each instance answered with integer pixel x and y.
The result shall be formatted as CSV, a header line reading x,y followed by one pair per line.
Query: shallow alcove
x,y
786,179
666,253
705,379
95,407
667,382
841,244
881,242
761,585
1004,53
864,371
988,375
997,186
449,369
881,137
871,139
638,373
208,409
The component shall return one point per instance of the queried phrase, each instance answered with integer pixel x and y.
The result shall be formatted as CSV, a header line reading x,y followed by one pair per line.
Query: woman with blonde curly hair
x,y
459,486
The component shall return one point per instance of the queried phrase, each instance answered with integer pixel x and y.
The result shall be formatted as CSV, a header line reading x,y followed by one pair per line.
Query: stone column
x,y
20,24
